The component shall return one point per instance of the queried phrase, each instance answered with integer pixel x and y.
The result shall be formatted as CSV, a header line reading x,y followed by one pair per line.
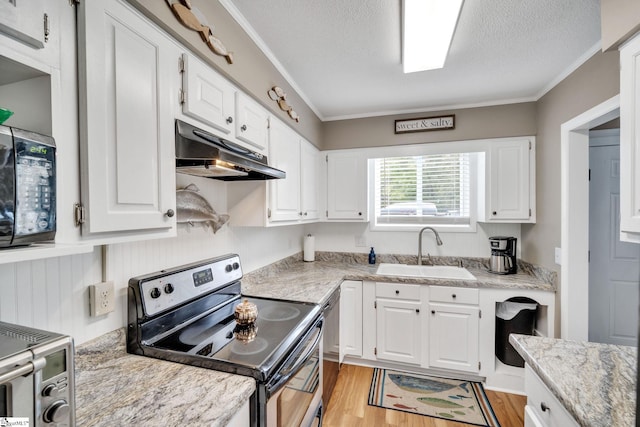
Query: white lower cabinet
x,y
543,408
350,318
398,322
453,337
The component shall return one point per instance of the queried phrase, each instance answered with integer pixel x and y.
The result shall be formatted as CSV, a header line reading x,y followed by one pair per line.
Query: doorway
x,y
614,266
574,274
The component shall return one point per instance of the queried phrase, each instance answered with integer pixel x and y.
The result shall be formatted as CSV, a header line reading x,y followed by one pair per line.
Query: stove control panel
x,y
172,288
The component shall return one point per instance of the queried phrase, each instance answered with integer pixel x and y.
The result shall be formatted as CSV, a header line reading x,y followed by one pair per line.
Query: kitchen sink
x,y
426,271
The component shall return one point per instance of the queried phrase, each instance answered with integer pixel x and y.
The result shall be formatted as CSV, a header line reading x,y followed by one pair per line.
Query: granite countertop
x,y
114,388
294,279
595,382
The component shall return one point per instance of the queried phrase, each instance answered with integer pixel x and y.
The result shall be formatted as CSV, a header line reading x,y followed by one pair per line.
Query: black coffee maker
x,y
503,255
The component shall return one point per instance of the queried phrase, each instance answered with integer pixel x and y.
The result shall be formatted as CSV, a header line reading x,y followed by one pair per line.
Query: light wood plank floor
x,y
348,406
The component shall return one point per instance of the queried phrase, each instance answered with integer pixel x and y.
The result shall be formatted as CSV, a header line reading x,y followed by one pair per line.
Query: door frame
x,y
574,272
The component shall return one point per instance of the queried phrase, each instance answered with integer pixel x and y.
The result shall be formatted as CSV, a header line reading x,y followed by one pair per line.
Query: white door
x,y
453,337
614,267
252,123
350,335
347,186
398,331
509,188
309,204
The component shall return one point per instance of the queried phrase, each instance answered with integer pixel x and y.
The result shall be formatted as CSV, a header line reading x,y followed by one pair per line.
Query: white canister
x,y
309,251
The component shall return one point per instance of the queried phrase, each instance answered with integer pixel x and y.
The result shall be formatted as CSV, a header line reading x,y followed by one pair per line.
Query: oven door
x,y
294,394
17,386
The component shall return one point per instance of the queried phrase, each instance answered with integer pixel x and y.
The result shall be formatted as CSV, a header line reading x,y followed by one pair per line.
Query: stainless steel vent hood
x,y
201,153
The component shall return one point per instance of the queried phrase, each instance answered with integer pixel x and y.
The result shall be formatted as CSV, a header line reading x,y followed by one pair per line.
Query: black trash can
x,y
514,316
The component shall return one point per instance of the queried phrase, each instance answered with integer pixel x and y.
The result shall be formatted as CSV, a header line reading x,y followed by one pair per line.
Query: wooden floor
x,y
348,406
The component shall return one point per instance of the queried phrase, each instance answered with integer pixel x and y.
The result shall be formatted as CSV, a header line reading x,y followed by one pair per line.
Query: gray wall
x,y
470,123
593,83
620,19
251,70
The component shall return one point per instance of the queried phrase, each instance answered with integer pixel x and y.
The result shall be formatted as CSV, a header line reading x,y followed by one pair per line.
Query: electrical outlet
x,y
102,299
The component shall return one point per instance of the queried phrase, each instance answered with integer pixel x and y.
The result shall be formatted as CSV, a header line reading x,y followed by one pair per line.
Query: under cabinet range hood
x,y
201,153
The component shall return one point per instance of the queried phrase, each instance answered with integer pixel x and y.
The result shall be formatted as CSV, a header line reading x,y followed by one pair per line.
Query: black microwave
x,y
27,187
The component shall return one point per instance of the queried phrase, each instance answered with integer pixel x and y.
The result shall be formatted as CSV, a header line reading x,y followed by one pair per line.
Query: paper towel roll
x,y
309,248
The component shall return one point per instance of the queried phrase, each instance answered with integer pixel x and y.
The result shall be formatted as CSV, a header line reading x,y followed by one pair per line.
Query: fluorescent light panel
x,y
428,27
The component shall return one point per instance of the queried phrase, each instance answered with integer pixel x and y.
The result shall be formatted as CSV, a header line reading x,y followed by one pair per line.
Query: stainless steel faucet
x,y
438,242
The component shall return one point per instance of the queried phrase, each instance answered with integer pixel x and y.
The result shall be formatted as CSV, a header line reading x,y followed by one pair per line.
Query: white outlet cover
x,y
101,298
558,256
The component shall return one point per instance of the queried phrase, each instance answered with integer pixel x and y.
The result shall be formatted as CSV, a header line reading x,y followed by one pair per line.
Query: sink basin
x,y
426,271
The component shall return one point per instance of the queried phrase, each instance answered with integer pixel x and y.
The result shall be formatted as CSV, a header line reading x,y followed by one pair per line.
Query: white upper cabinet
x,y
508,193
284,154
252,123
309,175
207,96
630,140
23,21
347,186
128,82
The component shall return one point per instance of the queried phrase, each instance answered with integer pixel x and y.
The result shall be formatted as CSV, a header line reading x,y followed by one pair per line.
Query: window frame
x,y
477,152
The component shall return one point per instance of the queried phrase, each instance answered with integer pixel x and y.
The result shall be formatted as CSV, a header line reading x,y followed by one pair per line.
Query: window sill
x,y
440,228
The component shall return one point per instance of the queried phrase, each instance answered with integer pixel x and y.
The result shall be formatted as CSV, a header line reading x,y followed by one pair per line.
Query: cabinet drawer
x,y
398,291
453,295
544,404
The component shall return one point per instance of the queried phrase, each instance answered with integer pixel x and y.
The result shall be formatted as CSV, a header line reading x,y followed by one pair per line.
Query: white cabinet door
x,y
398,330
252,123
509,182
309,161
284,154
453,337
346,186
207,96
350,318
23,21
630,138
128,81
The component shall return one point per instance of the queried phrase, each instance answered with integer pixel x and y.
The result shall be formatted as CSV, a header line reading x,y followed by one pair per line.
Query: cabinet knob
x,y
170,213
397,292
433,312
453,296
417,310
494,213
305,214
229,120
544,407
360,213
243,128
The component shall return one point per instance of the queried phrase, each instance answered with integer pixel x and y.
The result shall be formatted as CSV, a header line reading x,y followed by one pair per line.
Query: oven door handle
x,y
285,374
24,370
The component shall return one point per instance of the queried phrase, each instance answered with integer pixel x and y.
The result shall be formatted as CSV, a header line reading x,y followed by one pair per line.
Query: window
x,y
433,189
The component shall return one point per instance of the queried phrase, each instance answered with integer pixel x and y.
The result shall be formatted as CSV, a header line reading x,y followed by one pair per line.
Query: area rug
x,y
455,400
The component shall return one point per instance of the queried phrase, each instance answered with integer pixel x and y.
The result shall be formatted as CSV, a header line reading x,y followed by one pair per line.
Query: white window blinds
x,y
428,189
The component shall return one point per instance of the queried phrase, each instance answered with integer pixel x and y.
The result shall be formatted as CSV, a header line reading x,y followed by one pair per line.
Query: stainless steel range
x,y
186,315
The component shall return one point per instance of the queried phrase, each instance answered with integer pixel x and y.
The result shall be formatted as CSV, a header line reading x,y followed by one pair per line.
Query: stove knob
x,y
168,288
236,266
155,293
228,268
57,412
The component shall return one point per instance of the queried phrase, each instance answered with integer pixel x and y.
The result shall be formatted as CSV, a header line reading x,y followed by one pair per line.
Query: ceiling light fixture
x,y
427,30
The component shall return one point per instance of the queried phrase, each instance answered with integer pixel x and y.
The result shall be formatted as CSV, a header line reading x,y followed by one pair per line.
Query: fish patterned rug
x,y
455,400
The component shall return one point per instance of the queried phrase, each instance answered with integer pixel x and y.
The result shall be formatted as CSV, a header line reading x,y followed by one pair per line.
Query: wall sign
x,y
424,124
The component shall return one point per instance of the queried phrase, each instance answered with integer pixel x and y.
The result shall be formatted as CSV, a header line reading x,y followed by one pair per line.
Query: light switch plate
x,y
101,298
558,256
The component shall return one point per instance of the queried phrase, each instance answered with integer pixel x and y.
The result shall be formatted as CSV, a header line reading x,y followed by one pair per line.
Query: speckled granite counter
x,y
595,382
297,280
114,388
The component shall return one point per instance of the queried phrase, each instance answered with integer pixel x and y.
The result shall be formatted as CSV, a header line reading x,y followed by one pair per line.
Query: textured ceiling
x,y
344,56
